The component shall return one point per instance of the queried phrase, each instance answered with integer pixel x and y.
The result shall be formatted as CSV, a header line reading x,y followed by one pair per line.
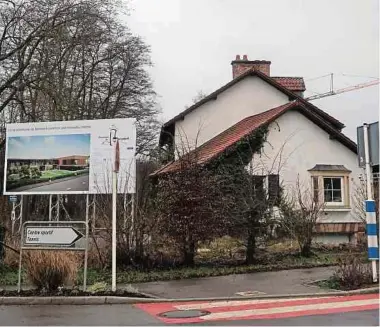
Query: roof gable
x,y
284,84
245,127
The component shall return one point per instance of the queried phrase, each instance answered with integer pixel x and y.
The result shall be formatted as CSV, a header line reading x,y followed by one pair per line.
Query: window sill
x,y
339,209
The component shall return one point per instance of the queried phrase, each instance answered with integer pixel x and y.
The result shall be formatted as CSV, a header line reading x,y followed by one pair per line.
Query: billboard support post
x,y
57,213
373,249
16,214
50,206
86,246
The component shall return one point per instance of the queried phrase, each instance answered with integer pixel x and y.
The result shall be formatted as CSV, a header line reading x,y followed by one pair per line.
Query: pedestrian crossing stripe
x,y
263,308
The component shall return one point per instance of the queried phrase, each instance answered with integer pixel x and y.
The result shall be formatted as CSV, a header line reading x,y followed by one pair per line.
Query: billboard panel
x,y
69,157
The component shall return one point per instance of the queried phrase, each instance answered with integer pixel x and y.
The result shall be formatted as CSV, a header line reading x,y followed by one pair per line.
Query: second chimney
x,y
240,66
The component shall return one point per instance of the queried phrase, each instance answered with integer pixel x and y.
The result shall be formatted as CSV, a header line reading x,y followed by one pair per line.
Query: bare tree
x,y
300,209
73,59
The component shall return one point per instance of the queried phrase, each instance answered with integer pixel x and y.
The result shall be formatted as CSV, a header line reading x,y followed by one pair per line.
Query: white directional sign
x,y
63,236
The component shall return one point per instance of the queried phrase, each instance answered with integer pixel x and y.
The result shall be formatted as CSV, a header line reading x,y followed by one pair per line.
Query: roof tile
x,y
291,83
224,140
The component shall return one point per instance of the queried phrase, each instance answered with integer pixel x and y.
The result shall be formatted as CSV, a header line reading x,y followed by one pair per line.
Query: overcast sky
x,y
194,41
48,146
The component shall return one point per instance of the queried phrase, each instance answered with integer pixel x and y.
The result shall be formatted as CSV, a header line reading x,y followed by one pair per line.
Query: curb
x,y
99,300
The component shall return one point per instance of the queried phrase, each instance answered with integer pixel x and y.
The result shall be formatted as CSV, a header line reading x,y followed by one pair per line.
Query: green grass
x,y
56,173
8,276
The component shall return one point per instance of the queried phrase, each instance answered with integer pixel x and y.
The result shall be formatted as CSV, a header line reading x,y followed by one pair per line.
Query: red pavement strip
x,y
263,309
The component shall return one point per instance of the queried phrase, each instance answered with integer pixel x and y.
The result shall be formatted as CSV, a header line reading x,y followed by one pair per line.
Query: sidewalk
x,y
268,283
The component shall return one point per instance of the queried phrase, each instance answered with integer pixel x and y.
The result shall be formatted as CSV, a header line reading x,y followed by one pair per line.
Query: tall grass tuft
x,y
49,270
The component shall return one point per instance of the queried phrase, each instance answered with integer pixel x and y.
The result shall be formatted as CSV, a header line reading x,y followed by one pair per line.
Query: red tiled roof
x,y
227,138
245,127
291,83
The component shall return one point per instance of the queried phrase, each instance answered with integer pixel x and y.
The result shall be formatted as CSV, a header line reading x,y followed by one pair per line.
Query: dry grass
x,y
50,269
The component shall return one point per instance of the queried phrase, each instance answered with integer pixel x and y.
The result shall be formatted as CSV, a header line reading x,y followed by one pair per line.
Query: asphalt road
x,y
127,315
79,183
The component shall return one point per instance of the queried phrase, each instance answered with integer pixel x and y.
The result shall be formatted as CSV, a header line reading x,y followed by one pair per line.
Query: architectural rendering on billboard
x,y
69,157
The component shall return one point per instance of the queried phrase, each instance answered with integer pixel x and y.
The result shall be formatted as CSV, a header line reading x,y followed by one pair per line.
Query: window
x,y
332,189
267,186
273,188
331,185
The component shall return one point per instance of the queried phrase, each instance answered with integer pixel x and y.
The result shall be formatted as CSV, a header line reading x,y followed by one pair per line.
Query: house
x,y
304,143
73,162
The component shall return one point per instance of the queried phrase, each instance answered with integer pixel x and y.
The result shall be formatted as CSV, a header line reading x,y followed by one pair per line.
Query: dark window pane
x,y
273,188
328,196
327,185
337,196
336,183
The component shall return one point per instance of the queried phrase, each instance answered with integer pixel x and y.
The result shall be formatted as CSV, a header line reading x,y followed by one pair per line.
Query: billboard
x,y
69,157
373,140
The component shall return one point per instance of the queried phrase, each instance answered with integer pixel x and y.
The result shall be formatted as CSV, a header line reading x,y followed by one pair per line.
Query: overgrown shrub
x,y
352,273
50,269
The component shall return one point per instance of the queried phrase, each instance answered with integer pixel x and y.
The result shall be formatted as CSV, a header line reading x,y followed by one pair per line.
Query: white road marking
x,y
277,310
68,189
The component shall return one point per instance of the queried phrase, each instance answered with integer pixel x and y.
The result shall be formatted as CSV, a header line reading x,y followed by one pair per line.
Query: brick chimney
x,y
239,66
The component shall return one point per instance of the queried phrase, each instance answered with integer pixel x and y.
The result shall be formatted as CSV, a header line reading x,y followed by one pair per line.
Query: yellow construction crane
x,y
346,89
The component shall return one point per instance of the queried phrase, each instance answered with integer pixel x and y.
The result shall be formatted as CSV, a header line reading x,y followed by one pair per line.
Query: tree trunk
x,y
306,248
251,247
189,253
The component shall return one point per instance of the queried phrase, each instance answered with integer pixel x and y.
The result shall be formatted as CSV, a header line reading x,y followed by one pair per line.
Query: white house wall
x,y
295,144
248,97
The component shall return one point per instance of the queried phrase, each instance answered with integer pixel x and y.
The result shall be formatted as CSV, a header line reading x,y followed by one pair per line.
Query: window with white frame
x,y
331,185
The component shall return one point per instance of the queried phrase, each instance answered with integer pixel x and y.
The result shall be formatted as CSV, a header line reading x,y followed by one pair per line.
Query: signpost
x,y
367,151
53,235
63,236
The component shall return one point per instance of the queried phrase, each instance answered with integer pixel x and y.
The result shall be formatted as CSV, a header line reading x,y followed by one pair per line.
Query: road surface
x,y
75,183
343,311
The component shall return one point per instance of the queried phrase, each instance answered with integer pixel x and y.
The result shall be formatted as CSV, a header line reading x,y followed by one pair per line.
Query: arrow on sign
x,y
52,235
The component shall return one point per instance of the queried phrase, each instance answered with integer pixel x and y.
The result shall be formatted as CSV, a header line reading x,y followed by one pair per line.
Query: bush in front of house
x,y
352,273
47,270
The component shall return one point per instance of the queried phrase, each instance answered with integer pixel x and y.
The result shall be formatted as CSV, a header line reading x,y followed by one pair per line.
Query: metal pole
x,y
50,205
20,261
21,212
86,244
94,212
13,217
114,195
373,247
132,236
57,207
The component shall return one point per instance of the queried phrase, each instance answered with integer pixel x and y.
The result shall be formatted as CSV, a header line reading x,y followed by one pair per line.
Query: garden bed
x,y
334,284
69,292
